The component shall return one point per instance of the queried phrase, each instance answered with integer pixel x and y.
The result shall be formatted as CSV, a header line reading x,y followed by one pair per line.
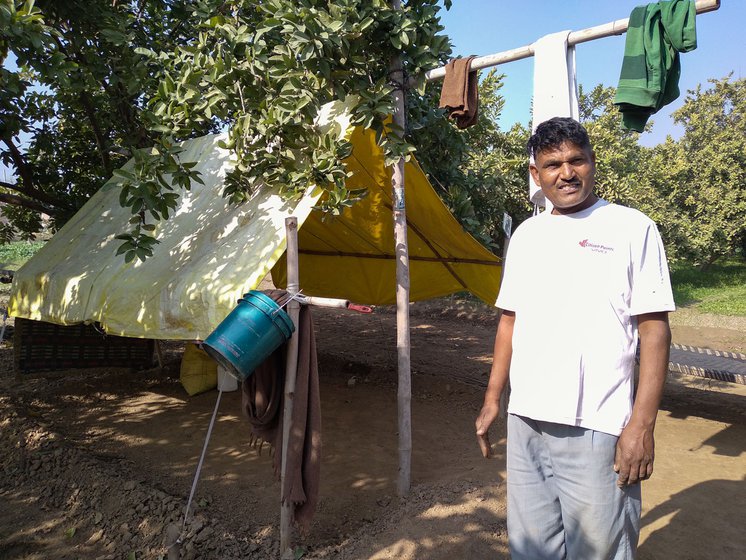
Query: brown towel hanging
x,y
460,92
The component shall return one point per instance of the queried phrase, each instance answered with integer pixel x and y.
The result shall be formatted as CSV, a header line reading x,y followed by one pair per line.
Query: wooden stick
x,y
291,369
382,256
617,27
404,394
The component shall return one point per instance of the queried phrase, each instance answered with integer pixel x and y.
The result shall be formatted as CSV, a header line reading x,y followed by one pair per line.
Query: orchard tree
x,y
480,172
72,94
265,69
619,158
692,187
101,81
710,176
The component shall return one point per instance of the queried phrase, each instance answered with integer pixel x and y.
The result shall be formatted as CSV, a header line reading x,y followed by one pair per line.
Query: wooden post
x,y
291,368
404,395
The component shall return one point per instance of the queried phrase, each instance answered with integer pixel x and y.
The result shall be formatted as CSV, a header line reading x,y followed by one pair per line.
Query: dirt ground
x,y
96,464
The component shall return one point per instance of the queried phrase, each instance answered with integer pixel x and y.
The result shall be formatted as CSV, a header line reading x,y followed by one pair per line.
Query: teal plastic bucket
x,y
255,328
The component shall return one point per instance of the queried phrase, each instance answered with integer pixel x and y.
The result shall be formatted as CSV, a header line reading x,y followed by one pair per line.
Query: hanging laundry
x,y
649,79
263,403
555,90
460,92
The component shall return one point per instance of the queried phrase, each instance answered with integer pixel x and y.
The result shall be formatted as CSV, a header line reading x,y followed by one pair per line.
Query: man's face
x,y
566,175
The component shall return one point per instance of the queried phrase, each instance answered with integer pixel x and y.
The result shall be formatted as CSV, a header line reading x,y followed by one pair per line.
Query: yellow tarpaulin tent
x,y
210,253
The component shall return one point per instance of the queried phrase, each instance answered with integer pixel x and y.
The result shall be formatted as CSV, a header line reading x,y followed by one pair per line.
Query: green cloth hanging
x,y
649,79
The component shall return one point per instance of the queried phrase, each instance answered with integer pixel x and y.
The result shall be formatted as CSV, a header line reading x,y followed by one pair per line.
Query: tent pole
x,y
618,27
291,368
404,394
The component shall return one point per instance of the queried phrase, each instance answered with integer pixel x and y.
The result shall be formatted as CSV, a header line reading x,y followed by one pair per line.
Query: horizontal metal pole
x,y
617,27
325,302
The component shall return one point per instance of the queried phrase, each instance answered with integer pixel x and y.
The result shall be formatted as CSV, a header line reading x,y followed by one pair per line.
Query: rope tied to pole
x,y
400,84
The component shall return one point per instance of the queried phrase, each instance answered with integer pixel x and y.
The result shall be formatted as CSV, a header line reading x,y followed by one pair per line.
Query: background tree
x,y
130,75
480,172
98,82
123,76
693,187
72,111
707,179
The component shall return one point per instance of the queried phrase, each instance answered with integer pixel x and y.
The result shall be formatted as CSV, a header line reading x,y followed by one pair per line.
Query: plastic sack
x,y
199,372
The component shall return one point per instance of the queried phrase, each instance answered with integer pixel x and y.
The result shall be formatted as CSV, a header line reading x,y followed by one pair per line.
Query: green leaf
x,y
124,175
149,53
114,36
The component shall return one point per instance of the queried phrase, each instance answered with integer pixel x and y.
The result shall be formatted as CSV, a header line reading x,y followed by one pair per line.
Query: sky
x,y
483,27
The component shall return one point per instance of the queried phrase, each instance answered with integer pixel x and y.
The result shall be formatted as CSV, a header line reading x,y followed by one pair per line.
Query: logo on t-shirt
x,y
595,247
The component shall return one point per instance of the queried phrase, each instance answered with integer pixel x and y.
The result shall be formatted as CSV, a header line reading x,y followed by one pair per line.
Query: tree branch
x,y
16,200
101,143
27,187
20,162
118,99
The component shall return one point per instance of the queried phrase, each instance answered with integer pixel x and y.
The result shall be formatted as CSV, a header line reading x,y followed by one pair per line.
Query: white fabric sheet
x,y
555,90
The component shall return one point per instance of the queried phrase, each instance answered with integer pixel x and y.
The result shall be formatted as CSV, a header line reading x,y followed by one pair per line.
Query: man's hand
x,y
635,451
498,379
635,448
487,415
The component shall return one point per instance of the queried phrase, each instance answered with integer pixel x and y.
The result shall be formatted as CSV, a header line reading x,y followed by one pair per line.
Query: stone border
x,y
707,373
709,352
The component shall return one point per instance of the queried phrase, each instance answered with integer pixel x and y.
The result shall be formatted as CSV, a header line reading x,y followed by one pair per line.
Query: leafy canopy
x,y
264,69
124,76
694,188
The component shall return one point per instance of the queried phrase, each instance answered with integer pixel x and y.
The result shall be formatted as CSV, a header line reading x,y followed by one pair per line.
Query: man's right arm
x,y
498,379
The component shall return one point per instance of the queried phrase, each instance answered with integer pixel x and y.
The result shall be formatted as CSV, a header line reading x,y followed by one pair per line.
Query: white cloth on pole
x,y
555,89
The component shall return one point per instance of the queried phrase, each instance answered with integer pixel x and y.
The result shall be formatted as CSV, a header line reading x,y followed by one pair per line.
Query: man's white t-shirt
x,y
576,283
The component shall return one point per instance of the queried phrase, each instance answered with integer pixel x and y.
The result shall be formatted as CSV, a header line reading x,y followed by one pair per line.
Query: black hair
x,y
556,131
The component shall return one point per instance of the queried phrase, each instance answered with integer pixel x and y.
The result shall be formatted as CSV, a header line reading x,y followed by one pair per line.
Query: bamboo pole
x,y
610,29
404,393
291,368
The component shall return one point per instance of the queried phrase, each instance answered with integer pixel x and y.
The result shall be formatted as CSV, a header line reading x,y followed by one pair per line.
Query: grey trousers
x,y
563,501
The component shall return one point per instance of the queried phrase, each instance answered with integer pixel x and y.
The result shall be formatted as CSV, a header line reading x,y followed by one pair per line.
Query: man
x,y
582,283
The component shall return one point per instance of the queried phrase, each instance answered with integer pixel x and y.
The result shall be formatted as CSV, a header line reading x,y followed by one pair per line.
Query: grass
x,y
12,257
720,290
14,254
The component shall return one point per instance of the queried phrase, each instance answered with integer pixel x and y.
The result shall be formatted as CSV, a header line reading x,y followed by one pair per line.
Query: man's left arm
x,y
635,449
